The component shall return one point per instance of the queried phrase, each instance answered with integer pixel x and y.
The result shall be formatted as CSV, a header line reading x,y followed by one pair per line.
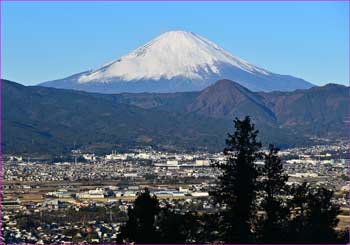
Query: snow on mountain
x,y
176,61
172,54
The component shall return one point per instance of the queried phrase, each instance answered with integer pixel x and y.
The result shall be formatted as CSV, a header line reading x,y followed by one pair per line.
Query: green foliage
x,y
147,223
141,227
272,190
237,186
177,228
314,215
309,217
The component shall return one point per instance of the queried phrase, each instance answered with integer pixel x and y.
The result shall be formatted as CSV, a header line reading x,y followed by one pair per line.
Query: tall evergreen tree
x,y
314,215
209,228
140,227
237,185
177,228
273,225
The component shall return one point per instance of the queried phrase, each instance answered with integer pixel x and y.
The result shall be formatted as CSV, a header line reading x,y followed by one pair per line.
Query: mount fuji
x,y
176,61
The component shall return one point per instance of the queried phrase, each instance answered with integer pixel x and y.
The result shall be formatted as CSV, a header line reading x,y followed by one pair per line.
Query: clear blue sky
x,y
43,41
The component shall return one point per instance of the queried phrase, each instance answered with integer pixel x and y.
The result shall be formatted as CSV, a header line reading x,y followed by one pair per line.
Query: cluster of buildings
x,y
46,222
67,233
34,188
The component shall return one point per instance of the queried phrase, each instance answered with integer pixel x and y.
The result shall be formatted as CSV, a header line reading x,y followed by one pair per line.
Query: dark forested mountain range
x,y
39,119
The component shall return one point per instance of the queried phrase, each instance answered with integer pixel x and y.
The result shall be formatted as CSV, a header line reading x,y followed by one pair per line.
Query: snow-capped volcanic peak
x,y
172,54
176,61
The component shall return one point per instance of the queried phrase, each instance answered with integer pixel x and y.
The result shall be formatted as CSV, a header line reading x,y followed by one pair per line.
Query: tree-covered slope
x,y
48,120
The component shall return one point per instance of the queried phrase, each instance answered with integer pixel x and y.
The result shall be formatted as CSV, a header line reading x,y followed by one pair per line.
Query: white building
x,y
202,162
200,194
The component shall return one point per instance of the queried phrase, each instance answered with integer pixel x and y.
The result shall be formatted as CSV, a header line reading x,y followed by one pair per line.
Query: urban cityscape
x,y
42,200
